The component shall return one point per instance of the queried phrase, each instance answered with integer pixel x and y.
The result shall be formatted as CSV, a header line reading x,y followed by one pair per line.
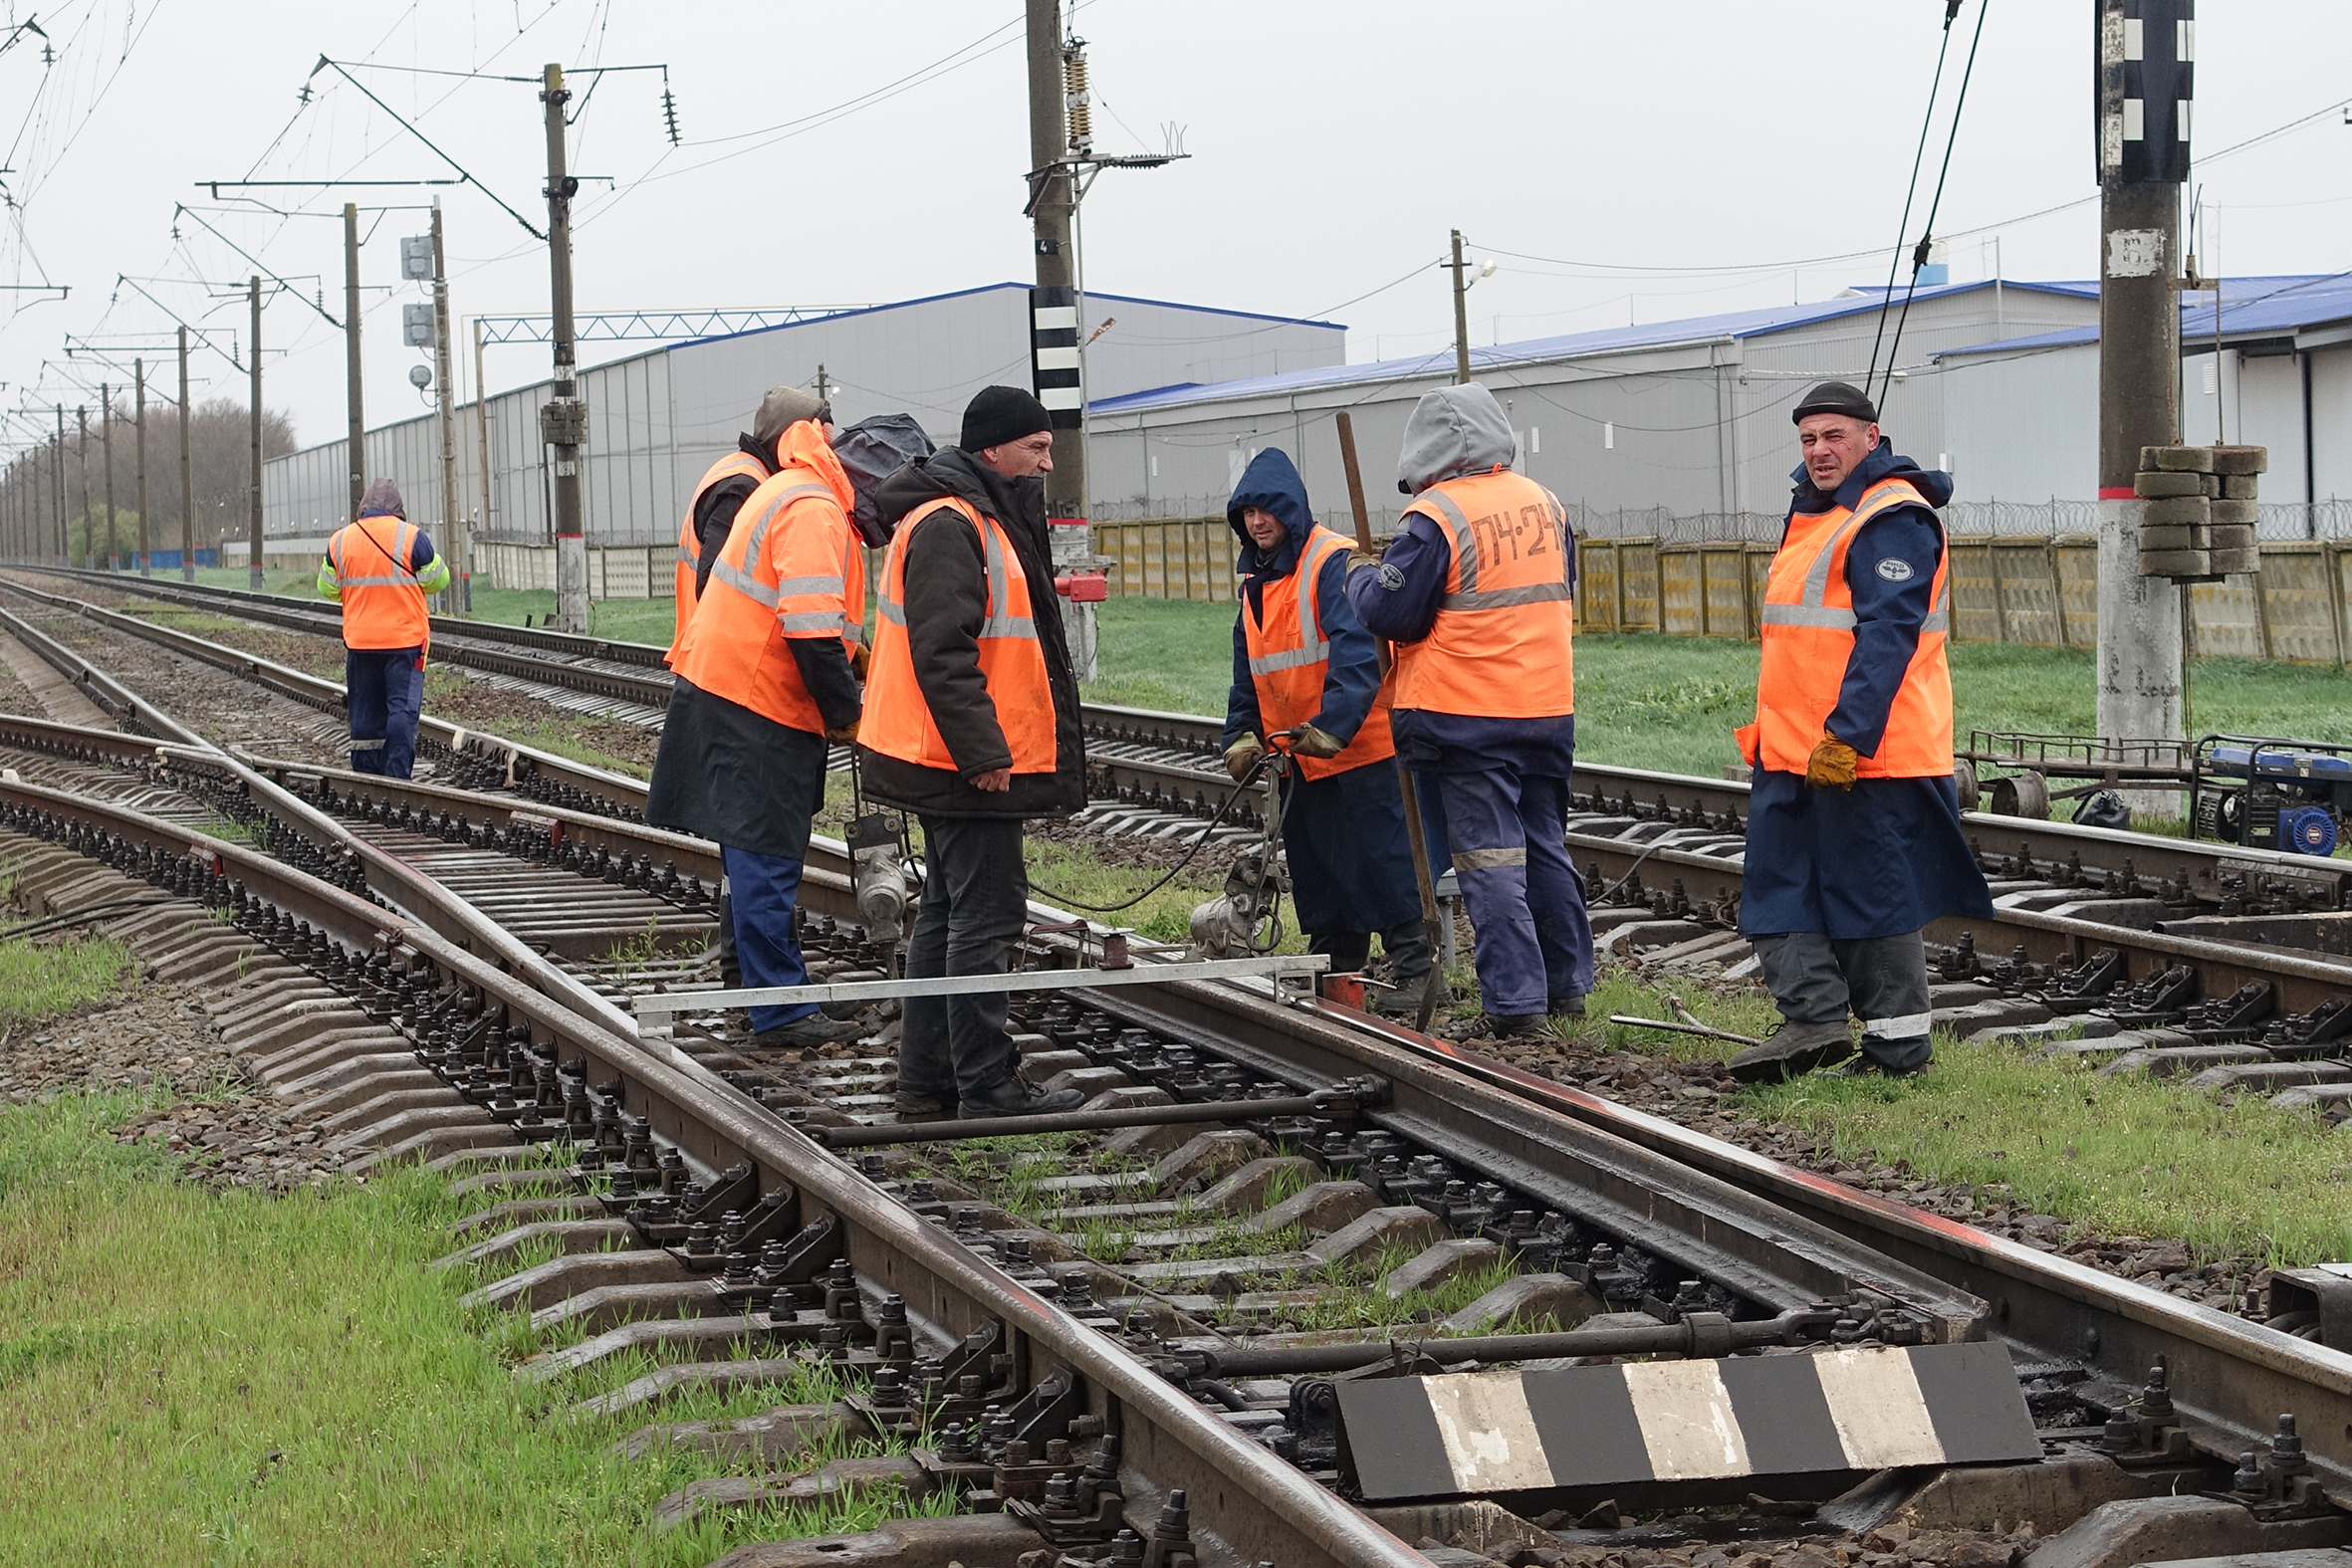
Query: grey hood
x,y
1453,430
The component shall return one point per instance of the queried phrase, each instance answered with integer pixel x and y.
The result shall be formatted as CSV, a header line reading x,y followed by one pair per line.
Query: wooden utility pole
x,y
138,413
106,453
563,419
253,572
188,476
453,530
356,440
2143,86
1461,316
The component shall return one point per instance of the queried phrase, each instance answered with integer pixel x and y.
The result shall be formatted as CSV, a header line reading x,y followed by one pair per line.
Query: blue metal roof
x,y
2250,307
1649,334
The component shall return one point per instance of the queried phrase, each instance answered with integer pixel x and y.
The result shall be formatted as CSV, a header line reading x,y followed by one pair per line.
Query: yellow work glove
x,y
1832,766
1313,742
1241,756
1360,560
842,734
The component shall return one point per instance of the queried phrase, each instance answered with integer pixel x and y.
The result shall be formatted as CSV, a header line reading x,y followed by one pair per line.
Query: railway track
x,y
1068,1331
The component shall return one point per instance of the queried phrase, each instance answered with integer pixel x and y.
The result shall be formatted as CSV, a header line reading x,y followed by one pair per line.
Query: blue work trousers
x,y
383,692
1507,832
762,891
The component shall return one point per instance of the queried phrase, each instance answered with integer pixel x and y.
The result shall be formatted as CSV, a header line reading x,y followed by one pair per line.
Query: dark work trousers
x,y
1507,832
975,901
384,690
1883,980
762,891
1407,946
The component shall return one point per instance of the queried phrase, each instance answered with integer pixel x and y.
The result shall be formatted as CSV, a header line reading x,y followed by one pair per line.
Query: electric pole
x,y
563,419
1461,316
106,453
355,443
1055,331
2144,88
481,428
253,573
81,461
188,478
453,530
139,414
57,476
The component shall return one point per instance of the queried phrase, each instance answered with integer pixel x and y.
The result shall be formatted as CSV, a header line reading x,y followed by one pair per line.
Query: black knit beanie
x,y
999,414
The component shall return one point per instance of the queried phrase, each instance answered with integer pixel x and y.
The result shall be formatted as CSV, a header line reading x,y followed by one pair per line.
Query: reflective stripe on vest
x,y
684,590
744,582
1808,640
1012,658
1501,643
382,601
1289,682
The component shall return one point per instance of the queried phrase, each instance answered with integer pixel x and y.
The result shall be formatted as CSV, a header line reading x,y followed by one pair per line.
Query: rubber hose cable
x,y
1198,844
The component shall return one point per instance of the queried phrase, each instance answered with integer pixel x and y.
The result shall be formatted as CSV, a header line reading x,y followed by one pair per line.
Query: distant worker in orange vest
x,y
1854,840
766,684
382,567
721,493
1302,662
1477,592
971,723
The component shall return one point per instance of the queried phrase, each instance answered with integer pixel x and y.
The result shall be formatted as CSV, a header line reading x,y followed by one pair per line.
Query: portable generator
x,y
2290,796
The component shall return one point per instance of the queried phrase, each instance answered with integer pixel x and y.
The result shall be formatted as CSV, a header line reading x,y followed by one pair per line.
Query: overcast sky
x,y
874,151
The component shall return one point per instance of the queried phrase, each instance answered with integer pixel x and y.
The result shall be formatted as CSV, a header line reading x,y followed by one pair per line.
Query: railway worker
x,y
1302,662
972,725
1854,840
721,493
1477,595
382,567
764,686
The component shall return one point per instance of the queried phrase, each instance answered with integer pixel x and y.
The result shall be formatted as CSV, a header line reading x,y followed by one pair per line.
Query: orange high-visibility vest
x,y
898,721
791,568
1501,645
735,465
1808,635
1289,657
382,602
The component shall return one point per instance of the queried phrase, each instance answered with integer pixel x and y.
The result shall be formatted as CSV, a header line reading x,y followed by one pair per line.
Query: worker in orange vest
x,y
381,567
721,493
971,723
1477,592
1302,662
1854,840
764,686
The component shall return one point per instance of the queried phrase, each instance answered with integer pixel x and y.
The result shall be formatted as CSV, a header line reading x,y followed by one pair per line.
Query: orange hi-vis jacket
x,y
1809,637
383,600
735,465
1502,646
898,721
793,568
1290,656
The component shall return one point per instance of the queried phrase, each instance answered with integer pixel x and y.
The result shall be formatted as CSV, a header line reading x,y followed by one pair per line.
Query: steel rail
x,y
2234,1376
1243,1497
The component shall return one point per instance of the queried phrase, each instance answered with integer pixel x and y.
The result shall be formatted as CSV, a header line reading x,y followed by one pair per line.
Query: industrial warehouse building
x,y
1674,430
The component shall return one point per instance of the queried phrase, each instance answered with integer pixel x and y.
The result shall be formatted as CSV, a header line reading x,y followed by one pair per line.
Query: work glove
x,y
860,660
842,734
1241,756
1360,560
1312,742
1832,766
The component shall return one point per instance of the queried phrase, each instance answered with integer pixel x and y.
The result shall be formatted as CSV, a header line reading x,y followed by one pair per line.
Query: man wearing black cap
x,y
1854,840
971,723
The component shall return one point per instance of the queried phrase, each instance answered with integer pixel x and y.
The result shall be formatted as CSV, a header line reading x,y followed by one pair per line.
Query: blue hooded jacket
x,y
1271,483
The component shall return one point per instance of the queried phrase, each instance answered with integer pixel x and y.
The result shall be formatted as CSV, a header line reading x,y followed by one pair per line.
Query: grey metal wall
x,y
658,419
2023,427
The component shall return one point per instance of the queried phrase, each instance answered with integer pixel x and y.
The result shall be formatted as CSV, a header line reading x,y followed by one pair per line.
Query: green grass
x,y
38,980
2125,1155
191,1376
1169,654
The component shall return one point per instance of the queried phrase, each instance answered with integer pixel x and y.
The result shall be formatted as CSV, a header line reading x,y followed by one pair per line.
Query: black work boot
x,y
1792,1050
814,1030
1513,1027
1010,1096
